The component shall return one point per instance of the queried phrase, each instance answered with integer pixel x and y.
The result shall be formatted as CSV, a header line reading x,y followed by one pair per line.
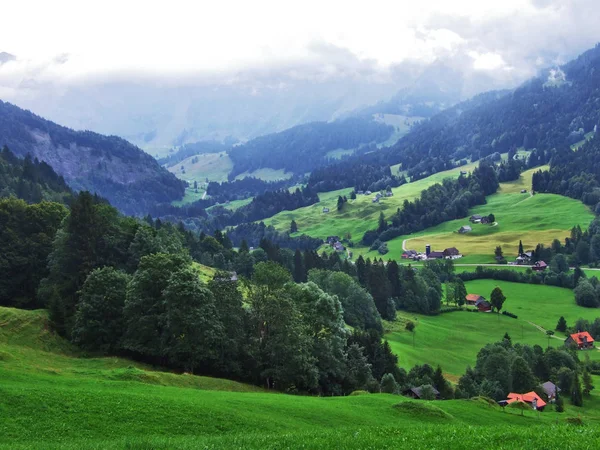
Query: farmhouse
x,y
531,398
452,253
368,193
465,229
417,392
539,266
338,247
332,239
476,218
550,389
483,305
409,254
325,210
471,299
435,255
583,340
375,200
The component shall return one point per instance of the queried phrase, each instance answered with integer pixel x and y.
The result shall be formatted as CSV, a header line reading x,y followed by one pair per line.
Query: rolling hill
x,y
55,397
107,165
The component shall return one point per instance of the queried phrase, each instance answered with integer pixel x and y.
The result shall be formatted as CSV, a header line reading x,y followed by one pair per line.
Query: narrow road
x,y
543,330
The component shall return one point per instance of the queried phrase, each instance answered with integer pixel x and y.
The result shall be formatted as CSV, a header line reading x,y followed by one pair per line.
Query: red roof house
x,y
471,299
539,265
582,340
530,398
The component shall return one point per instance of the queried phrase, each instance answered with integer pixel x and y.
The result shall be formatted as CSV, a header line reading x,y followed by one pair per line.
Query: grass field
x,y
337,154
402,125
54,397
453,339
535,219
358,215
214,166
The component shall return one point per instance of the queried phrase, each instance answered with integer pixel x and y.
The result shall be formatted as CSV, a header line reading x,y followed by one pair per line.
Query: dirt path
x,y
204,195
543,330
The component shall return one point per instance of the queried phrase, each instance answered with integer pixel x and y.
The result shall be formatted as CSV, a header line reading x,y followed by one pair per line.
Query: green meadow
x,y
453,339
358,215
532,219
55,397
211,166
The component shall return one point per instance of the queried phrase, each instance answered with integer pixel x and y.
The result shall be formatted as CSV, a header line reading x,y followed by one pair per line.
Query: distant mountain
x,y
108,165
305,147
6,57
551,111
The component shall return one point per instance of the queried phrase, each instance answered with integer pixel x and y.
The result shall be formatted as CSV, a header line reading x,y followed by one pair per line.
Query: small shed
x,y
465,229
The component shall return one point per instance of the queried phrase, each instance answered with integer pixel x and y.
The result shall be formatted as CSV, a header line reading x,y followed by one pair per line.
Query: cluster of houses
x,y
525,259
475,218
530,398
378,195
449,253
335,243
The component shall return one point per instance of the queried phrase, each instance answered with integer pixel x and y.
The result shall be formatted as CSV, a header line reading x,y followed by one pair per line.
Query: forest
x,y
303,148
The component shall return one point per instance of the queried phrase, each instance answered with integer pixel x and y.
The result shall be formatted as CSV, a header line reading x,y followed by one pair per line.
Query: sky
x,y
82,41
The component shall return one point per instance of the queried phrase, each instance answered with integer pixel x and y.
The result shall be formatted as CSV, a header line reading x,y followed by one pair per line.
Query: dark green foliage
x,y
99,322
410,326
442,385
293,226
388,384
522,376
561,325
303,148
585,294
497,299
359,308
576,393
31,180
26,235
588,385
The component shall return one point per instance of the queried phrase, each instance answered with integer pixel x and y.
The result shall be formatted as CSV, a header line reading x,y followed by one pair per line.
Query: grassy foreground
x,y
51,396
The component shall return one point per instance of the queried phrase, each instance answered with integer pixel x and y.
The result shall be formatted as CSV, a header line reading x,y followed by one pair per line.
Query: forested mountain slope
x,y
108,165
303,148
550,111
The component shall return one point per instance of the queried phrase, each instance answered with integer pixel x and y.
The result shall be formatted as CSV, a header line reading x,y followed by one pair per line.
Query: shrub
x,y
574,421
388,384
509,314
359,392
450,309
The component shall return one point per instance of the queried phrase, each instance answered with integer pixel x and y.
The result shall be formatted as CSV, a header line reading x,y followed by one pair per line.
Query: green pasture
x,y
53,396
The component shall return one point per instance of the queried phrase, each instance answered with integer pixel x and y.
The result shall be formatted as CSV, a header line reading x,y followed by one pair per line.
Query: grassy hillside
x,y
453,339
358,215
53,397
532,219
214,166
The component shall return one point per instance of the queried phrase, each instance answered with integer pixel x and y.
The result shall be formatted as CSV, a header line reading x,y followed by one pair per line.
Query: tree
x,y
561,325
522,376
521,251
361,270
559,264
549,334
497,299
353,195
340,203
498,252
99,320
388,384
506,337
299,270
576,394
460,292
585,294
588,385
491,218
441,384
193,333
450,293
382,224
270,275
427,392
293,226
145,309
410,326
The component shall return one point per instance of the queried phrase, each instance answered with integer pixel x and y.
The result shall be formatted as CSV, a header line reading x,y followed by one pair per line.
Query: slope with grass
x,y
211,166
358,215
53,397
453,339
533,219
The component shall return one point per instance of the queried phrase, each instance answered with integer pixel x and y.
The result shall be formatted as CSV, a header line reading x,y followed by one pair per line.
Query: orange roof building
x,y
582,339
530,398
